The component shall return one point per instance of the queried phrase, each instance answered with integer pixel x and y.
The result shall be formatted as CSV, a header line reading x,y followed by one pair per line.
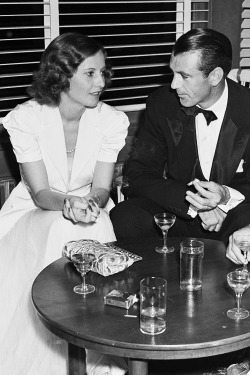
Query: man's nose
x,y
176,83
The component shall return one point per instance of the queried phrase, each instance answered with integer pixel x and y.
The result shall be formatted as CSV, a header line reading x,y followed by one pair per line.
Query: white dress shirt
x,y
207,138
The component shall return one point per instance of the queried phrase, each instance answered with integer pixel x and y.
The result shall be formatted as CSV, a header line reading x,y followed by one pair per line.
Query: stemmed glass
x,y
165,221
243,243
239,281
83,263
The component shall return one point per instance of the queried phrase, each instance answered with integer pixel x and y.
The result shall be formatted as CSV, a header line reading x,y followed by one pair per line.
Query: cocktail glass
x,y
239,281
165,221
83,262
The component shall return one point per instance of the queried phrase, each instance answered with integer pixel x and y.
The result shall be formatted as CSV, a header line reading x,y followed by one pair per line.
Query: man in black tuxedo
x,y
191,163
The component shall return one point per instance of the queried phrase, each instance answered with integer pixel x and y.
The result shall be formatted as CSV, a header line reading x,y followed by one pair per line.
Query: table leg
x,y
137,367
76,360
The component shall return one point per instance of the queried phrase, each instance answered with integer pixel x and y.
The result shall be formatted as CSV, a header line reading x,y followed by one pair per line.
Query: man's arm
x,y
212,220
154,149
212,202
209,195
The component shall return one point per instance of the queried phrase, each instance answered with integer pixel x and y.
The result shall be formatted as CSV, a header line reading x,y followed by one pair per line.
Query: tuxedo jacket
x,y
166,144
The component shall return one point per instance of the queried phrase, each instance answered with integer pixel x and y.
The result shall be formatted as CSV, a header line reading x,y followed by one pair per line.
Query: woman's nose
x,y
100,80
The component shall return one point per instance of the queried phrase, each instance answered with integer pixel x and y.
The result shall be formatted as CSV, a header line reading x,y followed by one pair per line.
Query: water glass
x,y
153,304
191,264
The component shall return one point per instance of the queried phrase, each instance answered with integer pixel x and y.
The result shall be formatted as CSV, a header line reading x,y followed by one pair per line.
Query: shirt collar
x,y
219,107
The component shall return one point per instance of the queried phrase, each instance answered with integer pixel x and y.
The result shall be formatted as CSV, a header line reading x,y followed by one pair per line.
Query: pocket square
x,y
240,167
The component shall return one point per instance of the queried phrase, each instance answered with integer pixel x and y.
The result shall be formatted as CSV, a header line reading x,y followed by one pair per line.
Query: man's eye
x,y
184,77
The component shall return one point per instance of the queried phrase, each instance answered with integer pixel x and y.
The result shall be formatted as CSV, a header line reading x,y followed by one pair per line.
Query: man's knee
x,y
129,219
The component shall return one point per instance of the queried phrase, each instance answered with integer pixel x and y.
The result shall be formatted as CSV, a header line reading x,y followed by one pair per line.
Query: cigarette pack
x,y
120,299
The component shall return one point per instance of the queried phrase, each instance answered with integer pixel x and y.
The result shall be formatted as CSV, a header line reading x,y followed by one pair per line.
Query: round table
x,y
197,323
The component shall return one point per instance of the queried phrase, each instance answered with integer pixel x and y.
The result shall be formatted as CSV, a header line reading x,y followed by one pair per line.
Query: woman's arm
x,y
84,209
102,182
74,208
35,175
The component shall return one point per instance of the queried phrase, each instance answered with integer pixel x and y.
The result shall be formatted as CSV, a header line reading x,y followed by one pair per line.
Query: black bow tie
x,y
194,111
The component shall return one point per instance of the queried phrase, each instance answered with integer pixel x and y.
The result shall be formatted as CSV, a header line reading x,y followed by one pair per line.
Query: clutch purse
x,y
109,259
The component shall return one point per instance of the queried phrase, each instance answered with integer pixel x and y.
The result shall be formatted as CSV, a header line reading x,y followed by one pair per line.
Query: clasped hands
x,y
209,195
83,209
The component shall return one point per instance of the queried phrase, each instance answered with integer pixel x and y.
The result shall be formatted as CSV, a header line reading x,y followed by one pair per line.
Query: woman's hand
x,y
77,209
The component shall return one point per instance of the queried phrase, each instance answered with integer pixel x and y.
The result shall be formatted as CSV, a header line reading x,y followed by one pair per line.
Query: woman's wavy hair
x,y
58,64
215,49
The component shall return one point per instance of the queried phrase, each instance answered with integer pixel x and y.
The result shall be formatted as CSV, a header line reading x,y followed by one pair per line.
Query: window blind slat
x,y
245,35
246,4
245,43
245,62
245,53
246,23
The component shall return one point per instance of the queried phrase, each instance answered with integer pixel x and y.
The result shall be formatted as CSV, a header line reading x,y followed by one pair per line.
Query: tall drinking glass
x,y
153,300
165,221
191,264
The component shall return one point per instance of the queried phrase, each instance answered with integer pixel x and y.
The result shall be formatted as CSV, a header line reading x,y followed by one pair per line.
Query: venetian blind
x,y
138,36
245,35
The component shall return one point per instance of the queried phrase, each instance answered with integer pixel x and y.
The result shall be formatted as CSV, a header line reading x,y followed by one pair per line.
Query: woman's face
x,y
88,81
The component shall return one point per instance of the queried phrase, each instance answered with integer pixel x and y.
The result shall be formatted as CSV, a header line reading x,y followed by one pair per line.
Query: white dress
x,y
31,238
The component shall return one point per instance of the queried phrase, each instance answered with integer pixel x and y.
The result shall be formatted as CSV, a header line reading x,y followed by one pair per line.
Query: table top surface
x,y
197,323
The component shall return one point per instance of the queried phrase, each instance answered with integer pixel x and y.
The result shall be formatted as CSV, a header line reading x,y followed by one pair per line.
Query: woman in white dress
x,y
66,143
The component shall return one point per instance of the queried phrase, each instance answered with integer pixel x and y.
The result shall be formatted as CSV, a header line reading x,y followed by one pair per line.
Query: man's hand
x,y
233,252
212,220
209,195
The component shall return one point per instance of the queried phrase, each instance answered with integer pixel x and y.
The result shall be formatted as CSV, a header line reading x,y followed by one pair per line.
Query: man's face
x,y
189,82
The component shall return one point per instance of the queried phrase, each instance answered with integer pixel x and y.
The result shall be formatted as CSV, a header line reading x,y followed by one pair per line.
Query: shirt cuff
x,y
235,198
192,211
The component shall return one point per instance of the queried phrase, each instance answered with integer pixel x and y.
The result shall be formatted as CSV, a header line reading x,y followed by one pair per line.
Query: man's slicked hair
x,y
215,49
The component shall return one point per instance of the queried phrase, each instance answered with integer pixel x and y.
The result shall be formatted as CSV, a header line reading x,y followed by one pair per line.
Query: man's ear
x,y
216,76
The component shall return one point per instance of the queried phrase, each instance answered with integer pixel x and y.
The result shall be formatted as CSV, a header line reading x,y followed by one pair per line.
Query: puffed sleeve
x,y
22,124
115,128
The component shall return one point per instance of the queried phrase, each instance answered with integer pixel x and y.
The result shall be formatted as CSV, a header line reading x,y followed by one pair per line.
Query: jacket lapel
x,y
184,136
232,141
229,151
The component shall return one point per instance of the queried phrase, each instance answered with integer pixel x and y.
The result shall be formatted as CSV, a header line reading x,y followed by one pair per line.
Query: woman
x,y
66,143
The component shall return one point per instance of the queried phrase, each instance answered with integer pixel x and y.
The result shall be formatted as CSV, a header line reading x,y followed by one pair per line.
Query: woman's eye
x,y
90,74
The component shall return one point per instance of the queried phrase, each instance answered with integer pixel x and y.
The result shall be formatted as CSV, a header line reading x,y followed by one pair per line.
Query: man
x,y
205,160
